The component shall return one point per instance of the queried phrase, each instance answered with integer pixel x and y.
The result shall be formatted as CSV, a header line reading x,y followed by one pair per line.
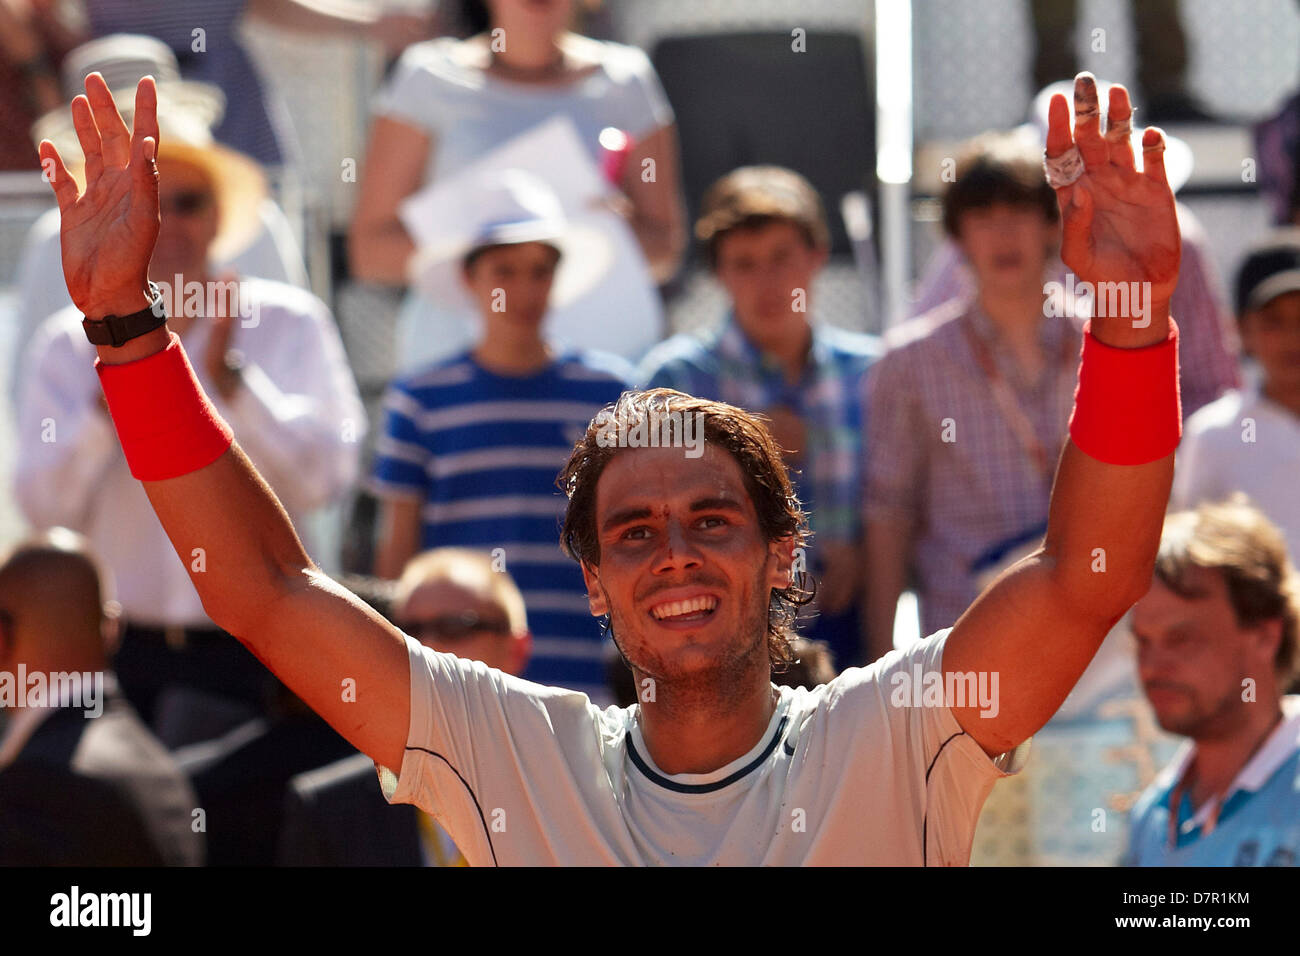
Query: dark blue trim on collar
x,y
676,787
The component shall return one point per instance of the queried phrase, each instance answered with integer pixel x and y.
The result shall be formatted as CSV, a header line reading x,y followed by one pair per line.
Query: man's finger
x,y
1076,226
1058,126
146,110
143,153
1153,155
116,142
1119,129
1087,121
1062,162
88,136
65,187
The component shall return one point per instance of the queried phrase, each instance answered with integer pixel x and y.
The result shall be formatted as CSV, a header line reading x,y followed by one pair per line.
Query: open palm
x,y
108,231
1118,224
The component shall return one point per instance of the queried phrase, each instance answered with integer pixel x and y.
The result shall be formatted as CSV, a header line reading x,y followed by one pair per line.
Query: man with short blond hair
x,y
1217,649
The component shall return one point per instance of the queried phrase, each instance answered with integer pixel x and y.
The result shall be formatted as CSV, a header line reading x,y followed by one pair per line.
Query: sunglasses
x,y
455,627
189,202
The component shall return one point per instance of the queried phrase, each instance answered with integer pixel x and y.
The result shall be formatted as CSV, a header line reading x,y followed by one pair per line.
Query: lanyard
x,y
1189,779
1175,801
1011,411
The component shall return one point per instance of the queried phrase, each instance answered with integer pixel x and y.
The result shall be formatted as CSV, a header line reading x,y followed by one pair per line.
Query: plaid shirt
x,y
724,365
1208,344
941,455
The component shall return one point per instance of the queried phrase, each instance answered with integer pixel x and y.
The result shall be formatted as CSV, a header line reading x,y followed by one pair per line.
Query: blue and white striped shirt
x,y
483,451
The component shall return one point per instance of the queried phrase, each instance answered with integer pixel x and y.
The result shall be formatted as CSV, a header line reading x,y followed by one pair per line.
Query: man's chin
x,y
1182,721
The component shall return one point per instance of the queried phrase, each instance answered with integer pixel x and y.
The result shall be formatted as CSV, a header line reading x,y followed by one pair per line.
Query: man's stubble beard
x,y
1199,721
719,686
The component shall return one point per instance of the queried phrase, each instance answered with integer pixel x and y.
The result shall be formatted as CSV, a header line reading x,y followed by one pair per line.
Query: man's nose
x,y
676,550
1156,663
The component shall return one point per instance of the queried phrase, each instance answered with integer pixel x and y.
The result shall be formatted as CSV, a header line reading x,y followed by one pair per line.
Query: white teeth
x,y
680,608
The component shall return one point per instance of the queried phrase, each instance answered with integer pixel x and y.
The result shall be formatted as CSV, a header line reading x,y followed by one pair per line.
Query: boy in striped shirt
x,y
471,445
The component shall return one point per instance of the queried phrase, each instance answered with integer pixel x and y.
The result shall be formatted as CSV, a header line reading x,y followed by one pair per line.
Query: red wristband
x,y
165,423
1127,408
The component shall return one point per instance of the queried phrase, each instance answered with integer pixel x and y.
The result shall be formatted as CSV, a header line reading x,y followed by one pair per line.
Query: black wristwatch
x,y
117,330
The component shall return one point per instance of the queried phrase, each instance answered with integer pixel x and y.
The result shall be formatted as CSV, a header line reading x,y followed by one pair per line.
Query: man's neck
x,y
1016,315
1220,759
693,728
512,352
788,345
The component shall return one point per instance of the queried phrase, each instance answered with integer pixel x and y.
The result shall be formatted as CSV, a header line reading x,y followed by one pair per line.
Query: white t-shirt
x,y
521,774
1243,442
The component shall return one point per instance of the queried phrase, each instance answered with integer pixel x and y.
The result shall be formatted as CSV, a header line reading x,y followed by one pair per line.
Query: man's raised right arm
x,y
246,562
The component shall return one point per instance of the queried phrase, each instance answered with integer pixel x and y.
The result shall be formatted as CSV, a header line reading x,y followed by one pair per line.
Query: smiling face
x,y
685,572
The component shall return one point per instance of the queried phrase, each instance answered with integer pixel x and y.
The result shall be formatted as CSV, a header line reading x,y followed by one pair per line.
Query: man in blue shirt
x,y
471,445
1216,650
765,237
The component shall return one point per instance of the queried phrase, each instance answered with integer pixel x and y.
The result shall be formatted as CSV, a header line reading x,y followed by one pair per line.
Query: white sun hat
x,y
502,207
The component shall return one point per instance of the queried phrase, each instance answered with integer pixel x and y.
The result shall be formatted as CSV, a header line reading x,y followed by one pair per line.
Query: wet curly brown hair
x,y
742,434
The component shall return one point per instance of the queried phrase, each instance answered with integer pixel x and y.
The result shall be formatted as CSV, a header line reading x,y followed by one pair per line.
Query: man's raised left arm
x,y
1038,626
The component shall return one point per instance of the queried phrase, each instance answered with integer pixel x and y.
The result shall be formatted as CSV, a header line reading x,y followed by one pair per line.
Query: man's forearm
x,y
1105,520
224,522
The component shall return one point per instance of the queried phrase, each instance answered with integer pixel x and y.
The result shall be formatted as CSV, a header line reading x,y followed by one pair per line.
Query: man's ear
x,y
1269,637
595,596
521,648
821,256
781,555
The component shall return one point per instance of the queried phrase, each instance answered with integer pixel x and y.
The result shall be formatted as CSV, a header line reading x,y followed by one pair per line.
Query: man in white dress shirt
x,y
272,360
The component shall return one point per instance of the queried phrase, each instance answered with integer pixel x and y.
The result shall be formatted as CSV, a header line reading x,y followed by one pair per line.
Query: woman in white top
x,y
450,102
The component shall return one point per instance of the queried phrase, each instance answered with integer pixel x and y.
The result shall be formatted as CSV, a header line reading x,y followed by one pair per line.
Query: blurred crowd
x,y
524,188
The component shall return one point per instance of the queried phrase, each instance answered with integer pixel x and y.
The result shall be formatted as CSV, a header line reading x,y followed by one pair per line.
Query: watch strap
x,y
117,330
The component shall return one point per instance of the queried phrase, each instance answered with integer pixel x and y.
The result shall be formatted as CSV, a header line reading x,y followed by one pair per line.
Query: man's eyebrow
x,y
1179,628
627,515
623,516
717,503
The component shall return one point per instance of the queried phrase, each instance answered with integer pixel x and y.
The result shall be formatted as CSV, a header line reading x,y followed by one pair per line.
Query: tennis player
x,y
691,558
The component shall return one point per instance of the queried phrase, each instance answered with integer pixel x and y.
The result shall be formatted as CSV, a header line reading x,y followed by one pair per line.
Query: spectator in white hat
x,y
254,236
472,445
449,103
